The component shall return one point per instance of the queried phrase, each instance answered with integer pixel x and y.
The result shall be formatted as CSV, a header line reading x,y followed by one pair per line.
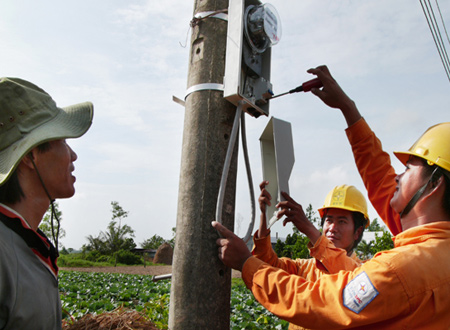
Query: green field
x,y
84,292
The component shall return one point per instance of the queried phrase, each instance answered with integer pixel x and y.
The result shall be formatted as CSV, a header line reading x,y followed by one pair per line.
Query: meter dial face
x,y
262,27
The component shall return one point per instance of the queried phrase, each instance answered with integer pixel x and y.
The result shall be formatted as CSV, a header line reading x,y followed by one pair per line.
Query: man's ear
x,y
436,186
358,232
28,159
438,182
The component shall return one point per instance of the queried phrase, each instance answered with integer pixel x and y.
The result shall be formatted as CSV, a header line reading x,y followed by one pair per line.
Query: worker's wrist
x,y
350,112
313,234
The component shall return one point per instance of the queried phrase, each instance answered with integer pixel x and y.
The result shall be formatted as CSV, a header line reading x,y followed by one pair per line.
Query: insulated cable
x,y
239,116
435,32
247,236
442,20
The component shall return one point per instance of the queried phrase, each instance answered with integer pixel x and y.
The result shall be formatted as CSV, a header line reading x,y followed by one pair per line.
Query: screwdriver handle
x,y
314,83
307,86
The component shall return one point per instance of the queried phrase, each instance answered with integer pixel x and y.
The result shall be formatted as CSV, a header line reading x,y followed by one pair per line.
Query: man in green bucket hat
x,y
36,167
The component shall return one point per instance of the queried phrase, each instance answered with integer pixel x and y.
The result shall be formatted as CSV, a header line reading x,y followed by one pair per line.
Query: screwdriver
x,y
305,87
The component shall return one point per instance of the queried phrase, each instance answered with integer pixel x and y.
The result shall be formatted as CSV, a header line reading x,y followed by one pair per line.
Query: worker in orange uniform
x,y
407,287
369,156
343,218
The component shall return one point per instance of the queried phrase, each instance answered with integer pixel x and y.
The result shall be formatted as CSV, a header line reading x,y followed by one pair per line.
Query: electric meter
x,y
261,27
253,28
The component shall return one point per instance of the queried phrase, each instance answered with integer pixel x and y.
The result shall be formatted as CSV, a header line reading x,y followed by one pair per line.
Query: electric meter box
x,y
253,28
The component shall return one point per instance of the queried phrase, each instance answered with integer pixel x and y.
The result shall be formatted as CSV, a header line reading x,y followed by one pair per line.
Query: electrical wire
x,y
435,32
438,37
226,165
441,41
442,20
247,236
239,116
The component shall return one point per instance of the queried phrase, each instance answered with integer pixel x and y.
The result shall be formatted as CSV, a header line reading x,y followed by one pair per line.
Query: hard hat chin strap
x,y
436,173
54,215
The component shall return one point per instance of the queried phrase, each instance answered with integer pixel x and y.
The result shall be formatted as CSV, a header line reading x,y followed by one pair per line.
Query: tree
x,y
296,244
174,234
46,225
152,243
155,241
374,226
365,250
382,243
117,237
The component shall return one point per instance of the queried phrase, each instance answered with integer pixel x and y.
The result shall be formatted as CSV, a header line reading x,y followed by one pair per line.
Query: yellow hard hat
x,y
433,146
347,198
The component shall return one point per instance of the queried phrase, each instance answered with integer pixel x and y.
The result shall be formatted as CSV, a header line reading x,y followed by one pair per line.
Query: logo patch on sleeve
x,y
359,293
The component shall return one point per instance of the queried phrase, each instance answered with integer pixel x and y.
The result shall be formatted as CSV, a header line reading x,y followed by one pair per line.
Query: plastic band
x,y
213,14
203,87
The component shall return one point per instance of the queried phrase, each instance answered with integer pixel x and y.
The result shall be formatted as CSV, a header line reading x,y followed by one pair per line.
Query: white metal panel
x,y
277,151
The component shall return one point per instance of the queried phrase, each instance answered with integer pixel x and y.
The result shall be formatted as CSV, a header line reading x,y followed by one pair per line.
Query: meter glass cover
x,y
272,24
262,27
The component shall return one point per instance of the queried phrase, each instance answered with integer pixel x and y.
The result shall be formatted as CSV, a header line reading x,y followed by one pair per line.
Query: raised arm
x,y
372,162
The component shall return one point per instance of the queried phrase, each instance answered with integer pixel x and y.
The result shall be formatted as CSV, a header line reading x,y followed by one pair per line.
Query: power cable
x,y
238,118
442,20
435,32
441,41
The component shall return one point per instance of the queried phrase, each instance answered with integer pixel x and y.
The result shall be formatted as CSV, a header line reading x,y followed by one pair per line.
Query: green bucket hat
x,y
29,117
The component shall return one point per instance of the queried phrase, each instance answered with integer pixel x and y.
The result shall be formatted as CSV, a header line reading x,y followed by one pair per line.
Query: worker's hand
x,y
333,95
232,250
264,200
294,213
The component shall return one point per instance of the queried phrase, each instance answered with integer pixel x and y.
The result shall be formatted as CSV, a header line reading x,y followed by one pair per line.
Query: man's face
x,y
339,228
408,183
55,167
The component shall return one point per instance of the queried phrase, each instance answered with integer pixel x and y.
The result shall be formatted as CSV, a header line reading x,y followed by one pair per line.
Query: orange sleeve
x,y
374,166
262,249
345,299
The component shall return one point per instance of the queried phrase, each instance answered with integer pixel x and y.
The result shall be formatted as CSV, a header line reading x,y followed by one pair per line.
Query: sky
x,y
130,57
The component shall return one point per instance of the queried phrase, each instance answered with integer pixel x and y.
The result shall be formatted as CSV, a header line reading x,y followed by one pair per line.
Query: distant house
x,y
148,252
369,236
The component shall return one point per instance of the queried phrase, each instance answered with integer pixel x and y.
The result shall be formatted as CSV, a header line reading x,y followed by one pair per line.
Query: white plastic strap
x,y
203,87
222,16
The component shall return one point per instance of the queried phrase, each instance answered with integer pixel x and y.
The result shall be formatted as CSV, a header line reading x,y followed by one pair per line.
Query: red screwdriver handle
x,y
314,83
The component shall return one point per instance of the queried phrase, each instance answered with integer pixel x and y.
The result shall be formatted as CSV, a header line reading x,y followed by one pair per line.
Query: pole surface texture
x,y
201,284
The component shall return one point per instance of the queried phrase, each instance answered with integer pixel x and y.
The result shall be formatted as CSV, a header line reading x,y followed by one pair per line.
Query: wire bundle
x,y
435,31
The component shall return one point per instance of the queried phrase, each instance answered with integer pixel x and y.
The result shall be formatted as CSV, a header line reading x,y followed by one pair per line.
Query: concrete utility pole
x,y
201,284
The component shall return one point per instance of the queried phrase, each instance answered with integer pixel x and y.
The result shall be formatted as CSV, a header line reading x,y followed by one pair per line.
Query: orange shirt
x,y
407,287
374,166
326,259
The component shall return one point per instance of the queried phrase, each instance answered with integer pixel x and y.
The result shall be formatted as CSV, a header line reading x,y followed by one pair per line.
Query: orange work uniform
x,y
326,259
407,287
374,166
